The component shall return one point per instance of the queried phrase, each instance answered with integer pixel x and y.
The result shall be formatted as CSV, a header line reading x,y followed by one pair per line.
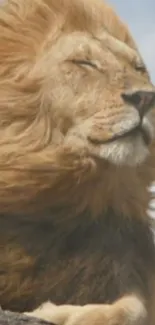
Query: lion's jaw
x,y
130,147
129,150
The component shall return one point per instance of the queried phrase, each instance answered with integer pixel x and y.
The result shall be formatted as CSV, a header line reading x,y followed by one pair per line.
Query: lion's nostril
x,y
143,101
133,99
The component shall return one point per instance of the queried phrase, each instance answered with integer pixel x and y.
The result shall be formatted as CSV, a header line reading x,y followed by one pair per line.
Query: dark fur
x,y
87,261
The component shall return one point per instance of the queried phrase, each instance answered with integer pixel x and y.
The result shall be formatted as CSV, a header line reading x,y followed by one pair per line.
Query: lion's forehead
x,y
97,15
98,19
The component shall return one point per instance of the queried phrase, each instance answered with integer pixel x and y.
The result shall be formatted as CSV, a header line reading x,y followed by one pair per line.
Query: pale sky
x,y
140,17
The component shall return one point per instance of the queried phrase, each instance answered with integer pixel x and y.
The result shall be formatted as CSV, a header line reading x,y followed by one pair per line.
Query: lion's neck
x,y
75,184
105,245
122,189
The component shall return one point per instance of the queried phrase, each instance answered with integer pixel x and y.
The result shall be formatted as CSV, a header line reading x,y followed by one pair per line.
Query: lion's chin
x,y
129,148
129,151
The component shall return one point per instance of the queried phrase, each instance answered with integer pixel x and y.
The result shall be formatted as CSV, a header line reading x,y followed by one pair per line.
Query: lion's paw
x,y
126,311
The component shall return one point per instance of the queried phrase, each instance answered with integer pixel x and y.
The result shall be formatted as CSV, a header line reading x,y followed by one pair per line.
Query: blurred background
x,y
140,17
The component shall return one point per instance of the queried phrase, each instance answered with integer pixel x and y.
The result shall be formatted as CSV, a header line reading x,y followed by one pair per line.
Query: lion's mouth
x,y
145,133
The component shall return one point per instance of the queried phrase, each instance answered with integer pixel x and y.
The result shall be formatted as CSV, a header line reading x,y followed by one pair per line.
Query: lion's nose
x,y
143,101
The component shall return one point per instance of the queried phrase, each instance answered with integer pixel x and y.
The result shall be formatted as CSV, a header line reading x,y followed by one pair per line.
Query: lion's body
x,y
73,189
80,265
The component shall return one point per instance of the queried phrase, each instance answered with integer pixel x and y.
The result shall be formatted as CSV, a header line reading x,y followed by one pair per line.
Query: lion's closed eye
x,y
87,63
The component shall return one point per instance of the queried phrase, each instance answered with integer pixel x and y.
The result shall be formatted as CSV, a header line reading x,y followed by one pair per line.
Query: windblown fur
x,y
73,223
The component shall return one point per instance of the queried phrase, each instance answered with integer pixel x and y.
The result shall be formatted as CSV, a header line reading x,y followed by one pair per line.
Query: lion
x,y
76,159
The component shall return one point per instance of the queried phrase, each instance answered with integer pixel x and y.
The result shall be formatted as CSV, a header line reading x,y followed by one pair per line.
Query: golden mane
x,y
27,164
43,19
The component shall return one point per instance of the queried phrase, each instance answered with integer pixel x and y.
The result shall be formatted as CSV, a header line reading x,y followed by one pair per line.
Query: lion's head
x,y
70,77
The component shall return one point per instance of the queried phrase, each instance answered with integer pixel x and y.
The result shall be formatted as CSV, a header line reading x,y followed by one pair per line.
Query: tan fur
x,y
52,111
39,104
19,261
